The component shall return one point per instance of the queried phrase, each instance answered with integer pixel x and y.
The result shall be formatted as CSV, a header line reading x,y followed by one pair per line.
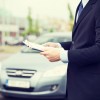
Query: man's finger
x,y
44,53
48,44
47,48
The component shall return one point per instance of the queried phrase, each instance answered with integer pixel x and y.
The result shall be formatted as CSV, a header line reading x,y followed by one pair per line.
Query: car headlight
x,y
57,71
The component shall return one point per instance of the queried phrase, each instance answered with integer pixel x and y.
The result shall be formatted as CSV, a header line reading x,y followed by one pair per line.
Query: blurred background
x,y
30,19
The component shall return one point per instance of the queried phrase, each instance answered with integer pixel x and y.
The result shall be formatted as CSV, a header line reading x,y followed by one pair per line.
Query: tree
x,y
70,13
36,28
30,23
32,29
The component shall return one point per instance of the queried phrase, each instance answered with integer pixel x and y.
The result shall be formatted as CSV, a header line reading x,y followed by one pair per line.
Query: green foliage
x,y
30,23
51,30
71,17
70,13
36,28
32,29
6,34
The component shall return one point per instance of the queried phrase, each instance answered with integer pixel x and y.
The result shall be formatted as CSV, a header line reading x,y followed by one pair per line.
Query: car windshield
x,y
43,39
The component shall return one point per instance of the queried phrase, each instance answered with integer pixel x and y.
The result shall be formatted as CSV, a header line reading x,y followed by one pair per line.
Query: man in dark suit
x,y
83,54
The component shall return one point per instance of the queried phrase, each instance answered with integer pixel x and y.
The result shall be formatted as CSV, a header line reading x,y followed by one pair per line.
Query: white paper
x,y
33,45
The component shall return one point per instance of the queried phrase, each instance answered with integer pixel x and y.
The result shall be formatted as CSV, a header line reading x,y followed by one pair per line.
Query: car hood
x,y
33,61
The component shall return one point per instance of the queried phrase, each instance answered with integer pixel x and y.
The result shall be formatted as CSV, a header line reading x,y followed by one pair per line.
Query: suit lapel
x,y
85,11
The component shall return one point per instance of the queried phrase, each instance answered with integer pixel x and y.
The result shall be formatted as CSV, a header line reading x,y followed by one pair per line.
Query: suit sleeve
x,y
66,45
89,55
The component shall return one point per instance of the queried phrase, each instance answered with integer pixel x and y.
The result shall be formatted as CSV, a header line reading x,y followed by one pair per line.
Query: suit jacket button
x,y
72,42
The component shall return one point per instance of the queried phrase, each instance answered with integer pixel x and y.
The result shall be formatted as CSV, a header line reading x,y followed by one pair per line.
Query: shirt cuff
x,y
59,45
64,55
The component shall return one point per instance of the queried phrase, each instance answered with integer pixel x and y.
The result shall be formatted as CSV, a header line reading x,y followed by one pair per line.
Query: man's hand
x,y
52,44
52,54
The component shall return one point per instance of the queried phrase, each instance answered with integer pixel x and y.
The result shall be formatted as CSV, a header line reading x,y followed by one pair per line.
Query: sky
x,y
41,8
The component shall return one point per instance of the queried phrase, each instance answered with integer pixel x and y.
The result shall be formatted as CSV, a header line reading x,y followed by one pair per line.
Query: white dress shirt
x,y
84,2
63,53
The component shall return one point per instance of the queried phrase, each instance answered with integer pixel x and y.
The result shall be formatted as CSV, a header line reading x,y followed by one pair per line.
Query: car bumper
x,y
43,89
35,95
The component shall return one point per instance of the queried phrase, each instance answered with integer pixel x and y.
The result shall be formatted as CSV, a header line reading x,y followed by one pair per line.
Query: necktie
x,y
80,9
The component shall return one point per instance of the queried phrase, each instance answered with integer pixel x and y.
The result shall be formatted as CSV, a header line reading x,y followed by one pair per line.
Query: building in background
x,y
10,26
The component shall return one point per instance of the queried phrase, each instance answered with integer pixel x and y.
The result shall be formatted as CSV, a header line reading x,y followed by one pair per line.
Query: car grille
x,y
22,73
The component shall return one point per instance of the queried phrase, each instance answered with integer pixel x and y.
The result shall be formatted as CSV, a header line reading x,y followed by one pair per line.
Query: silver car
x,y
28,74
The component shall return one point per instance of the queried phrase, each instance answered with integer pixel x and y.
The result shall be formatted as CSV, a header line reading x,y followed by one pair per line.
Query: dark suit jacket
x,y
83,81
